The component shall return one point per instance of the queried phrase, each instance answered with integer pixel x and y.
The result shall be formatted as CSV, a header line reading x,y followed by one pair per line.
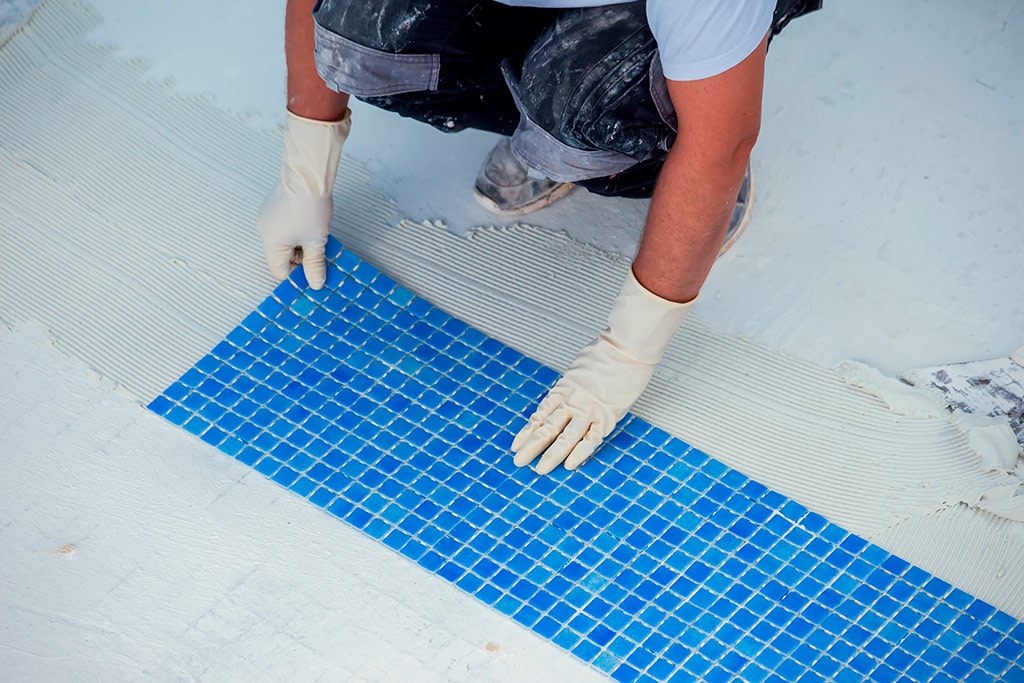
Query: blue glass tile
x,y
625,672
660,563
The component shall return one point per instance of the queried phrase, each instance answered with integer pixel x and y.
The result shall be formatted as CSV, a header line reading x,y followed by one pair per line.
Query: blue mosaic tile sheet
x,y
655,563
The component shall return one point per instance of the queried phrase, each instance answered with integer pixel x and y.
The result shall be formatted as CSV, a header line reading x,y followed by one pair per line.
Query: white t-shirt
x,y
696,38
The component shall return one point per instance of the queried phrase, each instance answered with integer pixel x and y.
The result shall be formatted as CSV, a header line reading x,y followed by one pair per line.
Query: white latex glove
x,y
294,219
603,382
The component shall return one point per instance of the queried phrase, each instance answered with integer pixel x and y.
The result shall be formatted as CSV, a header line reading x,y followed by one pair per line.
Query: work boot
x,y
740,212
505,187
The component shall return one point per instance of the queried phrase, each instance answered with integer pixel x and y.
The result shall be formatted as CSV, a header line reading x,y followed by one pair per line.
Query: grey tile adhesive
x,y
126,227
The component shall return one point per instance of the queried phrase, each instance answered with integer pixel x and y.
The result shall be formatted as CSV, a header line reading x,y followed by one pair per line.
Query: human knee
x,y
375,49
586,92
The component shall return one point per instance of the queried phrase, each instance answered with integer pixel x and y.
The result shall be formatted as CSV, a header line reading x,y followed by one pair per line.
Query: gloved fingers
x,y
585,448
542,437
546,407
565,444
279,259
313,263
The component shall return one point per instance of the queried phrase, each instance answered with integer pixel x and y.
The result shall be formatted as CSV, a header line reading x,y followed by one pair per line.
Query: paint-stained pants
x,y
580,90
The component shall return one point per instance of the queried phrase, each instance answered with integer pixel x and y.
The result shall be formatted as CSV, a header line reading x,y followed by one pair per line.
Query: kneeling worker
x,y
658,99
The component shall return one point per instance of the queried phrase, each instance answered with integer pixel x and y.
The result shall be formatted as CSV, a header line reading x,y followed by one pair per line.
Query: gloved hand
x,y
294,219
602,383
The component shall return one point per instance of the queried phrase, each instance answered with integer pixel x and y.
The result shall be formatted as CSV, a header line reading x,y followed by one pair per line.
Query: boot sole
x,y
535,204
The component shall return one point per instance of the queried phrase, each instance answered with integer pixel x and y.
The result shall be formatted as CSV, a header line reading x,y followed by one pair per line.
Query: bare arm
x,y
719,120
295,219
308,95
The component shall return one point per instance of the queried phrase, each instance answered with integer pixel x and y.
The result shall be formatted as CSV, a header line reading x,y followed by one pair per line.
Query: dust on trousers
x,y
580,91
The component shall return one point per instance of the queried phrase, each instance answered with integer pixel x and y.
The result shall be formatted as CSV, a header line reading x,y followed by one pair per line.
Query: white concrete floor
x,y
887,229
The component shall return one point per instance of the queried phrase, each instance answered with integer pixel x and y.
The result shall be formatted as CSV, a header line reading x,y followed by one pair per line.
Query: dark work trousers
x,y
580,91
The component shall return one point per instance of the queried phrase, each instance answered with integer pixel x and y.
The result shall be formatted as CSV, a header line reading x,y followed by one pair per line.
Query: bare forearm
x,y
687,219
308,95
719,121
